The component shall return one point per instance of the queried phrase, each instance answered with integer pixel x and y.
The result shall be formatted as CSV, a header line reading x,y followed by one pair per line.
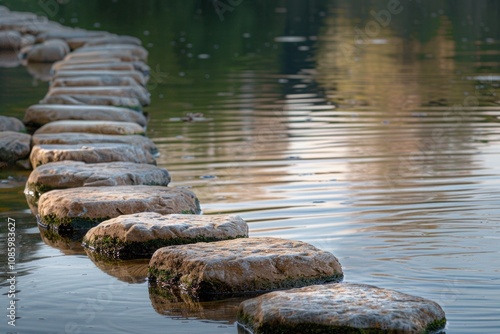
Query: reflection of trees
x,y
403,85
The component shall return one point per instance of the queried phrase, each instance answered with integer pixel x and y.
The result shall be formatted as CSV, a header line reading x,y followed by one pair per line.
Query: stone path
x,y
95,170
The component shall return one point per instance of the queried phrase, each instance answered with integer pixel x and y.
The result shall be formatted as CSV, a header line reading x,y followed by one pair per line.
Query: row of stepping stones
x,y
95,181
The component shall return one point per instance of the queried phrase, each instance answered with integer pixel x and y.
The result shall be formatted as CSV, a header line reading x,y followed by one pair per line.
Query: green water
x,y
382,149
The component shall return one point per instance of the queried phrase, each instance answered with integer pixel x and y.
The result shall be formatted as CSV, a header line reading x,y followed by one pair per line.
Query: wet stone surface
x,y
140,235
340,308
247,265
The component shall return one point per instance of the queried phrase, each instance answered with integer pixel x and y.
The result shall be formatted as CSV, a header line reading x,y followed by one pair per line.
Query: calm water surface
x,y
383,149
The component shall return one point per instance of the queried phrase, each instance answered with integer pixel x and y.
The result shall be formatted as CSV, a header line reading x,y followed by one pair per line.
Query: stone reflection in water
x,y
67,245
182,305
130,271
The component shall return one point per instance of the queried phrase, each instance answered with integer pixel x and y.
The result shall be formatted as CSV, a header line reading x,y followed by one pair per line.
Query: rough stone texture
x,y
40,114
101,127
104,66
11,124
100,64
105,75
114,39
83,208
72,174
14,146
72,138
47,52
126,102
140,235
136,50
123,55
182,306
136,91
95,81
341,308
130,271
10,40
89,153
245,265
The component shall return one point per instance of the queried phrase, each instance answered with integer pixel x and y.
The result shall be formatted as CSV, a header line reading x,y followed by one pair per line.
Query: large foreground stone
x,y
100,127
341,308
83,208
76,138
136,91
47,52
89,153
140,235
41,114
246,265
11,124
14,146
73,174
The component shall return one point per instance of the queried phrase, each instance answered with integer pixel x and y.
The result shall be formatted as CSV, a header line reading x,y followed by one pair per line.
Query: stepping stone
x,y
40,114
114,39
246,265
47,52
69,33
90,153
100,127
125,102
105,75
76,138
11,124
95,81
73,174
79,209
136,91
340,308
14,147
101,66
136,50
10,40
123,55
140,235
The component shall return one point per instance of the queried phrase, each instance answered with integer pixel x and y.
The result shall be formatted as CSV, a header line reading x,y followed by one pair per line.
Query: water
x,y
383,150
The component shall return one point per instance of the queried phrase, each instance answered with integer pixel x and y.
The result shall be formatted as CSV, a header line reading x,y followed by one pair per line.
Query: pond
x,y
375,137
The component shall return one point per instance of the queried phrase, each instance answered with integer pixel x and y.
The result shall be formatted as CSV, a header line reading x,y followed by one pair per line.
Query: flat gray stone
x,y
136,91
47,52
94,100
136,50
140,235
73,174
137,76
100,127
246,265
95,81
123,55
10,40
11,124
85,207
341,308
14,146
89,153
113,65
41,114
75,138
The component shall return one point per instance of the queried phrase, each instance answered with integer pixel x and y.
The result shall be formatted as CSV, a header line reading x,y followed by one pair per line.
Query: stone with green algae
x,y
140,235
345,308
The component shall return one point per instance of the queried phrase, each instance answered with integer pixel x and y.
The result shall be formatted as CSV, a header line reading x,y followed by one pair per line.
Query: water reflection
x,y
387,157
